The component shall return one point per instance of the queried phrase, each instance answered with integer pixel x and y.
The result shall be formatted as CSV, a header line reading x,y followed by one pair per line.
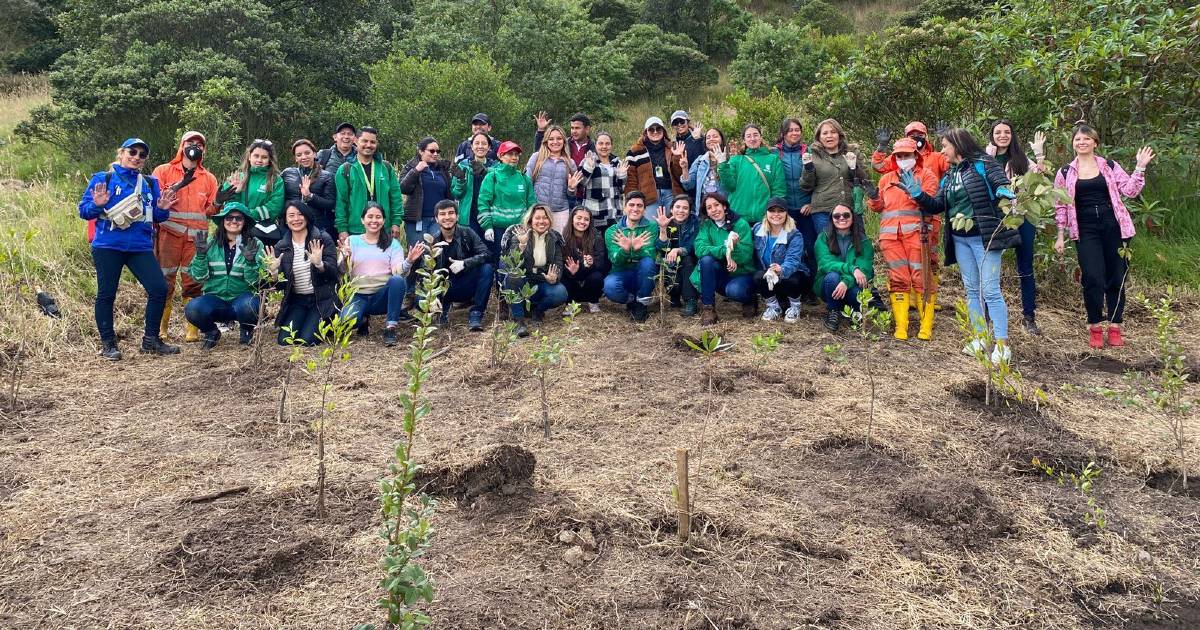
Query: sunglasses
x,y
679,122
236,218
842,216
656,129
434,151
137,153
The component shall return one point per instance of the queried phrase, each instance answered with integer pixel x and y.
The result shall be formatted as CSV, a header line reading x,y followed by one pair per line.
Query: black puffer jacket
x,y
324,283
987,212
554,254
324,194
414,194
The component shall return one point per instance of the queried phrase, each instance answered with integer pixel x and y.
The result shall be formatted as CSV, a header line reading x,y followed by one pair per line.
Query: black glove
x,y
249,248
456,171
200,240
882,137
225,194
189,175
872,190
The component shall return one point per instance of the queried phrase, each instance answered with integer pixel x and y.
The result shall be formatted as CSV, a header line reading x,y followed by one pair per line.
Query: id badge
x,y
658,172
419,225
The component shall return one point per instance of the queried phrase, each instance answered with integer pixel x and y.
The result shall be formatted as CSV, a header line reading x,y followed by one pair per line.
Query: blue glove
x,y
1005,193
910,183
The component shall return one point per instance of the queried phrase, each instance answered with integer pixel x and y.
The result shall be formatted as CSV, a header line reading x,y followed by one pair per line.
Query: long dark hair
x,y
731,217
309,221
385,237
576,244
783,129
857,234
964,144
1017,160
222,235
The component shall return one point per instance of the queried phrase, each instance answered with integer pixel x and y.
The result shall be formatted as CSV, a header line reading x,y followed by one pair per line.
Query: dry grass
x,y
20,94
798,525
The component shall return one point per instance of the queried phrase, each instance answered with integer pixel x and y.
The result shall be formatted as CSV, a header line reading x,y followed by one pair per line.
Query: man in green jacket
x,y
752,178
367,178
630,243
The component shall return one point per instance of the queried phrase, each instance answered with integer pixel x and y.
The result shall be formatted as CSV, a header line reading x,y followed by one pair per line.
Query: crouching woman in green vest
x,y
228,267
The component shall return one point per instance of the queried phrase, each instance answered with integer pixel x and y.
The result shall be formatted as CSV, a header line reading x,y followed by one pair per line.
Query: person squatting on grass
x,y
376,264
724,260
845,264
541,250
779,253
229,268
630,243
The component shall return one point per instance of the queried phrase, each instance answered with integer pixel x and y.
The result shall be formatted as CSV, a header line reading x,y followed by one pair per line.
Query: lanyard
x,y
369,180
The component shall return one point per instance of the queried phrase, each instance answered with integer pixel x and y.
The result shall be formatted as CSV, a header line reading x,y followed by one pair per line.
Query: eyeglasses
x,y
236,218
656,129
840,216
137,153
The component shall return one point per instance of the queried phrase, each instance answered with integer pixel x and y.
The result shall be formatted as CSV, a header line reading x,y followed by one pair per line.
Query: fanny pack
x,y
129,210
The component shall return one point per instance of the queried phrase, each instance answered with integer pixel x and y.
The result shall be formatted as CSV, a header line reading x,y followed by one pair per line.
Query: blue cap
x,y
133,142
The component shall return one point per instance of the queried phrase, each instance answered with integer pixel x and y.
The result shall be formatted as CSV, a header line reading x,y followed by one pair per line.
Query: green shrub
x,y
659,61
787,57
740,109
824,17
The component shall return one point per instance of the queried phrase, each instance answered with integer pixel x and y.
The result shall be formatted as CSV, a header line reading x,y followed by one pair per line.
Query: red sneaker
x,y
1114,337
1096,337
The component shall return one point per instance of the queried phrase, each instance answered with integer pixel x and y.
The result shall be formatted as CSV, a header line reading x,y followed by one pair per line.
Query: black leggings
x,y
1100,264
586,287
789,287
683,289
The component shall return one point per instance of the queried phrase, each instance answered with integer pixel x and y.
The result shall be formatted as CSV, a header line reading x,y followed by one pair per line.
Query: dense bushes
x,y
659,60
824,17
787,57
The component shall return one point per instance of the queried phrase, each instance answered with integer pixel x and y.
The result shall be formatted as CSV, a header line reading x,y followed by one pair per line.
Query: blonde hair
x,y
544,153
1086,130
527,220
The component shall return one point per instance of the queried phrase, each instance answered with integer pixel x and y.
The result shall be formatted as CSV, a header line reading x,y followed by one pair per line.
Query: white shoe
x,y
593,307
771,313
1001,354
792,314
974,348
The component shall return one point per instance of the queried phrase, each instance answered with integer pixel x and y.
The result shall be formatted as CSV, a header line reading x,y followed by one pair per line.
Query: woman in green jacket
x,y
258,186
845,263
753,177
228,266
467,178
725,253
831,171
505,195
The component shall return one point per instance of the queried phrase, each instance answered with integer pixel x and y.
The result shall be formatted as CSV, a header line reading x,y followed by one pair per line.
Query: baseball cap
x,y
481,118
345,125
507,146
777,202
679,115
135,142
653,120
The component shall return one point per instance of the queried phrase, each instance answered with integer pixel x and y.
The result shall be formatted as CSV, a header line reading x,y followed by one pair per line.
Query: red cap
x,y
916,125
507,146
904,145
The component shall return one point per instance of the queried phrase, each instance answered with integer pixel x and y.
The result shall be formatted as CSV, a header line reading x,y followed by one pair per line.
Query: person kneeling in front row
x,y
541,264
376,264
725,251
228,266
465,257
630,244
845,262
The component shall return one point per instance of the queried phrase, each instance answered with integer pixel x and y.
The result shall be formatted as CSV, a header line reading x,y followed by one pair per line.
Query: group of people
x,y
684,209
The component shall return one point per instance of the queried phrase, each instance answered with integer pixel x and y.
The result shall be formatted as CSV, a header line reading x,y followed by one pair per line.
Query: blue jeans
x,y
980,271
665,197
389,300
472,284
1025,268
829,283
714,279
820,222
205,311
546,297
144,266
622,287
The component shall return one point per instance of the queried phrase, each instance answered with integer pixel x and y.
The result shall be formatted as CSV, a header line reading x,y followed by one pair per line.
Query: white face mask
x,y
906,164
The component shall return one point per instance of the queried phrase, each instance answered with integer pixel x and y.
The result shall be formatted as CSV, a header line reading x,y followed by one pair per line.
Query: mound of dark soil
x,y
494,468
963,511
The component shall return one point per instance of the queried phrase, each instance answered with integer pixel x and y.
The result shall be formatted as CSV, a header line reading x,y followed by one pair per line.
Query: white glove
x,y
806,157
729,240
489,235
771,277
851,160
991,149
456,266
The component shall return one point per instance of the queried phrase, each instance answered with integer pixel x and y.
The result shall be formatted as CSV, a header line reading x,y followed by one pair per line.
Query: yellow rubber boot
x,y
900,314
165,324
191,333
914,301
926,332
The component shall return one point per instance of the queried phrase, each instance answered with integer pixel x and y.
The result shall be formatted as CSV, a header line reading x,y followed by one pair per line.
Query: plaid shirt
x,y
603,192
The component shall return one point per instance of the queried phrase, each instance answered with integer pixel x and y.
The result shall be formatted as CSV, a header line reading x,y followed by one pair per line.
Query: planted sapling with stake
x,y
295,357
869,322
553,350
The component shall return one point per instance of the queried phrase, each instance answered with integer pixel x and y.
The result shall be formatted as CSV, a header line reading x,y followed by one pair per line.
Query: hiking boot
x,y
521,330
246,335
689,309
475,321
833,320
750,309
771,313
1095,337
363,328
593,307
209,341
1114,336
389,336
155,345
708,315
405,317
1031,327
109,350
640,312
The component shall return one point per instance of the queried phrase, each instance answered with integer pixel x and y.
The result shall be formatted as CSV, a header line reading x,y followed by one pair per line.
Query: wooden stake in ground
x,y
681,494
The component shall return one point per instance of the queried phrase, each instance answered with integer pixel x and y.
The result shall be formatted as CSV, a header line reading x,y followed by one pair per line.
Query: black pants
x,y
109,263
1100,264
790,287
683,288
586,287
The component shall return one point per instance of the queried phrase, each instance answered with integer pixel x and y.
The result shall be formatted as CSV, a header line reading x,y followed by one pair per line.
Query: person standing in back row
x,y
366,178
691,135
341,151
425,181
831,171
480,124
652,169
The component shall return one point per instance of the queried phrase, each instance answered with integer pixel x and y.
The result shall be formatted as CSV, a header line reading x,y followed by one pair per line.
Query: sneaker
x,y
110,351
975,347
405,317
1114,336
475,321
1095,337
389,336
833,320
1031,327
155,345
640,313
210,340
593,307
1001,354
771,313
689,309
792,314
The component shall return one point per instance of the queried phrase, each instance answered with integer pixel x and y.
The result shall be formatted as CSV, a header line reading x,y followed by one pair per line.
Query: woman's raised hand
x,y
1144,155
100,194
315,250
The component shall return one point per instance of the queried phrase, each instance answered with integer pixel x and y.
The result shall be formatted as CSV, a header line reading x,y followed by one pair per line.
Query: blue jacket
x,y
793,167
685,236
697,173
138,237
788,252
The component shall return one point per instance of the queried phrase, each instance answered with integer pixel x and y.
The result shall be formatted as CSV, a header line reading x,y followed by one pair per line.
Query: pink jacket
x,y
1119,183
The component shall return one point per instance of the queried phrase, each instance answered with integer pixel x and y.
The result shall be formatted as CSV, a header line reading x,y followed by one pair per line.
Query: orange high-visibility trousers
x,y
174,252
902,254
